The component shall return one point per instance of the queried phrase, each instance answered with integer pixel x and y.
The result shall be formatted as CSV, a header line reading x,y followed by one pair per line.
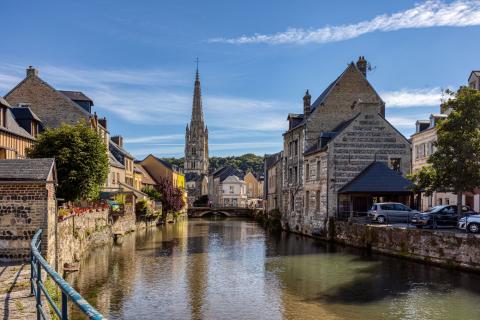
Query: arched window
x,y
194,151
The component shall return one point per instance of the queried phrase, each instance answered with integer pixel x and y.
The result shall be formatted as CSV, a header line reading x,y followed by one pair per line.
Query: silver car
x,y
387,212
470,223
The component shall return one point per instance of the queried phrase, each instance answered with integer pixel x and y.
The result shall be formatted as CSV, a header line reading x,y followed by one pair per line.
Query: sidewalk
x,y
15,299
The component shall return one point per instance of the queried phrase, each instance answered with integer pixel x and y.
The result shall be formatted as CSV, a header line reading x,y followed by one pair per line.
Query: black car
x,y
440,216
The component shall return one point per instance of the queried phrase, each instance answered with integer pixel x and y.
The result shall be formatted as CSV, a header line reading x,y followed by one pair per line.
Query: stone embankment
x,y
448,249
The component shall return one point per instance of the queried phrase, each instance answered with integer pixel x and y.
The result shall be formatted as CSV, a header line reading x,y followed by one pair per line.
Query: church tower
x,y
196,137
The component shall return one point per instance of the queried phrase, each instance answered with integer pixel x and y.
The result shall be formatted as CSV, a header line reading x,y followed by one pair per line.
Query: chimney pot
x,y
31,71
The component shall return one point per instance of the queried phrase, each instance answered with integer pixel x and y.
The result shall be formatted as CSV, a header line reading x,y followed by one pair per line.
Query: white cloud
x,y
428,14
405,98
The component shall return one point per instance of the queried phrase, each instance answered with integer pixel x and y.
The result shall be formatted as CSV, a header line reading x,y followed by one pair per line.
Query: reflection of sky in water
x,y
231,269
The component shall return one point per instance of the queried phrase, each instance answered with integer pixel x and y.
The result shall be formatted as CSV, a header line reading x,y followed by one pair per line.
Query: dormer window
x,y
24,105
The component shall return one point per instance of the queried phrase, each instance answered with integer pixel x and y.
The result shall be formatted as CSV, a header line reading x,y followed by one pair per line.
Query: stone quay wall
x,y
78,234
448,249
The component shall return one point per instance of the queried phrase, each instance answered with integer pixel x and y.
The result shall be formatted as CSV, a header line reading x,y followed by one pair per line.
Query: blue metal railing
x,y
38,263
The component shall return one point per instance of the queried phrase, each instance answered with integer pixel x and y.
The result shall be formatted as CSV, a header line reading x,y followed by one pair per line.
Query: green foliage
x,y
247,162
455,166
152,193
81,159
423,180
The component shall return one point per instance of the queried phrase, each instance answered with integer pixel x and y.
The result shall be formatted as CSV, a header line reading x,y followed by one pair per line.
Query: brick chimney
x,y
31,71
362,65
103,122
307,99
118,140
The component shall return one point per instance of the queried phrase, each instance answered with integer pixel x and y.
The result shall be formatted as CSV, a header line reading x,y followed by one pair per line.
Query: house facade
x,y
330,144
14,139
226,186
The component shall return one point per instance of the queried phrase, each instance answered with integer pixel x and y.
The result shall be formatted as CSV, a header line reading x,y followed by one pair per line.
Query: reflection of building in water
x,y
107,276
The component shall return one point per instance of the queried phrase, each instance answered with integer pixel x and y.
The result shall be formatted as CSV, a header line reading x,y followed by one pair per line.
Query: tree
x,y
81,159
171,197
455,165
152,193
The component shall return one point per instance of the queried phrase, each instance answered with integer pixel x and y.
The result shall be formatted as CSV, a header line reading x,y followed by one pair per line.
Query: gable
x,y
50,105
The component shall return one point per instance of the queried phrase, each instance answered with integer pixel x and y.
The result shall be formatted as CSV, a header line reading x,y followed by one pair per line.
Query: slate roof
x,y
24,113
114,162
118,152
146,178
271,160
14,127
227,171
26,169
377,178
76,96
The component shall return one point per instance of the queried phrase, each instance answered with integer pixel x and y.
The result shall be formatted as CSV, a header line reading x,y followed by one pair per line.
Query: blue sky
x,y
135,59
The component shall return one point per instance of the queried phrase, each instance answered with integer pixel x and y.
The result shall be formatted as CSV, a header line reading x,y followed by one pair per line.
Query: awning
x,y
380,179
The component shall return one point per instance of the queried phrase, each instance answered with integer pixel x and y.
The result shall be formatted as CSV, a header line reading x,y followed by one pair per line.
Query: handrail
x,y
37,287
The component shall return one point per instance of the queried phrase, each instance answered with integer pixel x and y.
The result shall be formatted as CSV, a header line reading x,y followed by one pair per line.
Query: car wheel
x,y
381,219
473,228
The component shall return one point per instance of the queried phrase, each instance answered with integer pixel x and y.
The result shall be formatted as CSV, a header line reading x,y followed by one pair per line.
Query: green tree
x,y
81,159
455,166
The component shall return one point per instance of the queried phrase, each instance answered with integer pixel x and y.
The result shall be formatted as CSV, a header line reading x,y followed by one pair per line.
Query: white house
x,y
234,192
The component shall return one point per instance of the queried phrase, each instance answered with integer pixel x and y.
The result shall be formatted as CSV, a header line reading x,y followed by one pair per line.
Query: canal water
x,y
234,269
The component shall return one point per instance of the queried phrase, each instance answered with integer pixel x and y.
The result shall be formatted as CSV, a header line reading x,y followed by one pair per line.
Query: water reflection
x,y
233,269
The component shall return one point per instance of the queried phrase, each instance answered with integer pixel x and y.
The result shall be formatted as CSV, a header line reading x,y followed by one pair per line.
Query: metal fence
x,y
38,289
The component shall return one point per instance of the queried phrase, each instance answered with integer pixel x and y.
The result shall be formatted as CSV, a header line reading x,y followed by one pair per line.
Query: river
x,y
235,269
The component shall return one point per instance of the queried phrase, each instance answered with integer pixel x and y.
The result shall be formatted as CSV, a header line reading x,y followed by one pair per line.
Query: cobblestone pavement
x,y
15,299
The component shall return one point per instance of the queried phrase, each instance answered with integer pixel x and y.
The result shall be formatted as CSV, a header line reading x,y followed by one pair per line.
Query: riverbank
x,y
450,250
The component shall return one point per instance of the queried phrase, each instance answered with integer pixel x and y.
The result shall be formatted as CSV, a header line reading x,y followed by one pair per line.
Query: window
x,y
194,151
118,177
296,147
395,164
290,175
307,201
295,177
387,207
447,201
317,200
440,202
307,172
290,148
292,201
113,178
3,117
318,169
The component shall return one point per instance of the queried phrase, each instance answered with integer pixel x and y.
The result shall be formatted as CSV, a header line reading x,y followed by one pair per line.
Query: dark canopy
x,y
378,178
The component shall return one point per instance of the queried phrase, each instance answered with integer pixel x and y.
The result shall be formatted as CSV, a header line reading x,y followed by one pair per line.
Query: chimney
x,y
103,122
31,71
362,65
307,99
118,140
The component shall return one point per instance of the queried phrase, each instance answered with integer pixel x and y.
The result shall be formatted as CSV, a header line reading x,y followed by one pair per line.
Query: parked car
x,y
390,212
440,216
470,223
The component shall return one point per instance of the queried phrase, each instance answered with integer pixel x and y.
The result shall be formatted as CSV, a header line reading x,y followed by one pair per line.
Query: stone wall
x,y
457,250
78,234
25,208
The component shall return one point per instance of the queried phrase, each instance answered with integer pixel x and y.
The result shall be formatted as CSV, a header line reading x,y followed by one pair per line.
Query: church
x,y
196,148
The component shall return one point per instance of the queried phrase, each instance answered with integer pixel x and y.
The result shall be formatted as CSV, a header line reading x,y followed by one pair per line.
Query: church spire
x,y
197,112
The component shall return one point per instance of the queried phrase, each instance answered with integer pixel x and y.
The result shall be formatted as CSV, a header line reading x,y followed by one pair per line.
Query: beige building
x,y
273,181
423,141
254,186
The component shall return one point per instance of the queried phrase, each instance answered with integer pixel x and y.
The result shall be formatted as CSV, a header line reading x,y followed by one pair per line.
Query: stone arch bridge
x,y
198,212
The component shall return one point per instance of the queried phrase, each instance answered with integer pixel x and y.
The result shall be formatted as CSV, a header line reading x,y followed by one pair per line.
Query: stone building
x,y
330,144
273,181
14,139
27,203
474,80
196,148
254,186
